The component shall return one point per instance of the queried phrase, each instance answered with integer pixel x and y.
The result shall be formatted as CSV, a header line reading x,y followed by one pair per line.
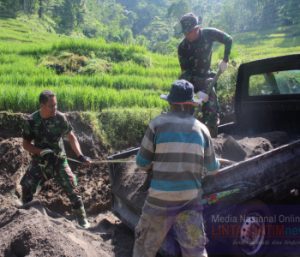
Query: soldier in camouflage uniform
x,y
46,127
194,53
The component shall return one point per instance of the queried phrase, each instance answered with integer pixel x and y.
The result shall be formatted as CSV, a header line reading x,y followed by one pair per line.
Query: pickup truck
x,y
237,201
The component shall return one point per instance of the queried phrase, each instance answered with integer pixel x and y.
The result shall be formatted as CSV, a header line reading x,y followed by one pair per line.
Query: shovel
x,y
203,97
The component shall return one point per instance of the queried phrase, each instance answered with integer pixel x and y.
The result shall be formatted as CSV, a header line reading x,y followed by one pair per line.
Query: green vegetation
x,y
86,74
126,127
283,82
121,82
268,43
151,23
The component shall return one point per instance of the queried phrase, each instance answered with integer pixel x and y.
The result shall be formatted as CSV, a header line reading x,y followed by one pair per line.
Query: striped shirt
x,y
179,148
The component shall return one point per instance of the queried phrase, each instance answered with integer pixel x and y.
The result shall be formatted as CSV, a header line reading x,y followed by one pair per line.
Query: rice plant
x,y
129,76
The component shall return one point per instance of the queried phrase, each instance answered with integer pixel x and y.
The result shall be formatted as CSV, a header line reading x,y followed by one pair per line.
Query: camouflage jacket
x,y
47,133
195,57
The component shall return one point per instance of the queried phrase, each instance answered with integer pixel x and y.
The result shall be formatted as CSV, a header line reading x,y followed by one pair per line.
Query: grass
x,y
121,133
78,98
115,77
268,43
134,77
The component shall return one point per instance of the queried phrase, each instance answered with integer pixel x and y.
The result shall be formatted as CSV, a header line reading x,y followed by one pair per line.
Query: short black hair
x,y
45,96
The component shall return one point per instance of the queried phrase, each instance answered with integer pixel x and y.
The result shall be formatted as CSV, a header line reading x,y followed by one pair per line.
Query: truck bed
x,y
130,184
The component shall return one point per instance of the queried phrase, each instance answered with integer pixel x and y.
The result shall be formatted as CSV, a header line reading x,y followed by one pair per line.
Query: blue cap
x,y
181,92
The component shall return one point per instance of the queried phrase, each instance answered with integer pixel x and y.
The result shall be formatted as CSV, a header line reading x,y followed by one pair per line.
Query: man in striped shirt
x,y
179,151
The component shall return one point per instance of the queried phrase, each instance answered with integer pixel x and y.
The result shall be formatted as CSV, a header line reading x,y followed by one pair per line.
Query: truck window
x,y
275,83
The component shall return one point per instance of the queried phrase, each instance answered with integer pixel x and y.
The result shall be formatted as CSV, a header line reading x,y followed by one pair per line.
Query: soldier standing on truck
x,y
179,151
194,53
46,127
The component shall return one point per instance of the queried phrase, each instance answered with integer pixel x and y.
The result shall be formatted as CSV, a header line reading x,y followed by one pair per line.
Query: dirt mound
x,y
131,182
41,232
93,180
13,163
238,148
47,227
38,231
87,135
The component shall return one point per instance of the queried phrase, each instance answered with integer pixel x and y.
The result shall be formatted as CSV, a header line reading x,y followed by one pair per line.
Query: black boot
x,y
81,217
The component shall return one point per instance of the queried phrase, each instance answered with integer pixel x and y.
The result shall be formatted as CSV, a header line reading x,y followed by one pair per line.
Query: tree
x,y
29,6
142,41
127,36
288,12
177,9
69,15
41,9
9,8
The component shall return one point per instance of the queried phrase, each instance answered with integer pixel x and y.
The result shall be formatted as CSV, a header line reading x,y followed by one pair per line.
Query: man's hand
x,y
223,66
44,152
84,159
49,156
203,97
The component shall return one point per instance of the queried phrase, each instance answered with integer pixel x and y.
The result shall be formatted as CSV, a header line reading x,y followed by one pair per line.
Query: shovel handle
x,y
214,81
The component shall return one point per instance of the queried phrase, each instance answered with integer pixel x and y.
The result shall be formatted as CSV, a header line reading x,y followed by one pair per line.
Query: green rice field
x,y
112,83
89,74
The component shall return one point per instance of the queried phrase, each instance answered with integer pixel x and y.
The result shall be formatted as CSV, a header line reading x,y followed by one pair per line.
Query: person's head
x,y
189,26
48,104
181,96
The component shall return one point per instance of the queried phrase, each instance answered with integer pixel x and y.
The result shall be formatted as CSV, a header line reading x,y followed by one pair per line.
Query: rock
x,y
232,150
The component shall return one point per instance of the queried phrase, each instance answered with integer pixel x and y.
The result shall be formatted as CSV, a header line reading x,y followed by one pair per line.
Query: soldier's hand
x,y
46,151
48,155
203,97
223,66
84,159
208,81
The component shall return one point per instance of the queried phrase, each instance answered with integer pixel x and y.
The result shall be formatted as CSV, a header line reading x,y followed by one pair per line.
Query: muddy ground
x,y
46,227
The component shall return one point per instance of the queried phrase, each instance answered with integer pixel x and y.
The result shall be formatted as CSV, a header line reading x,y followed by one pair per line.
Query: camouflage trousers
x,y
187,228
210,110
37,174
210,113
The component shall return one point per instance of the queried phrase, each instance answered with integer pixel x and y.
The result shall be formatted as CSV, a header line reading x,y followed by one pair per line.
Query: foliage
x,y
246,15
66,62
92,118
94,66
125,127
121,82
153,24
78,98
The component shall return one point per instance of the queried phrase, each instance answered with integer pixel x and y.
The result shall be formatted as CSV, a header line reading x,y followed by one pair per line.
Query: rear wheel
x,y
252,236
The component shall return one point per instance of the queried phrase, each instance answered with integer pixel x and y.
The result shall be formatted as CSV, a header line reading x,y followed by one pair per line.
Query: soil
x,y
46,227
132,183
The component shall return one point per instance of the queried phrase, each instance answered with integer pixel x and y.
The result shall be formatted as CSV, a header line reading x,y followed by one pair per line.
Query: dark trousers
x,y
210,110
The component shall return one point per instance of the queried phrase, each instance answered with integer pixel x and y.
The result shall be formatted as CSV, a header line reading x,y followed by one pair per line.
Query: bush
x,y
125,127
